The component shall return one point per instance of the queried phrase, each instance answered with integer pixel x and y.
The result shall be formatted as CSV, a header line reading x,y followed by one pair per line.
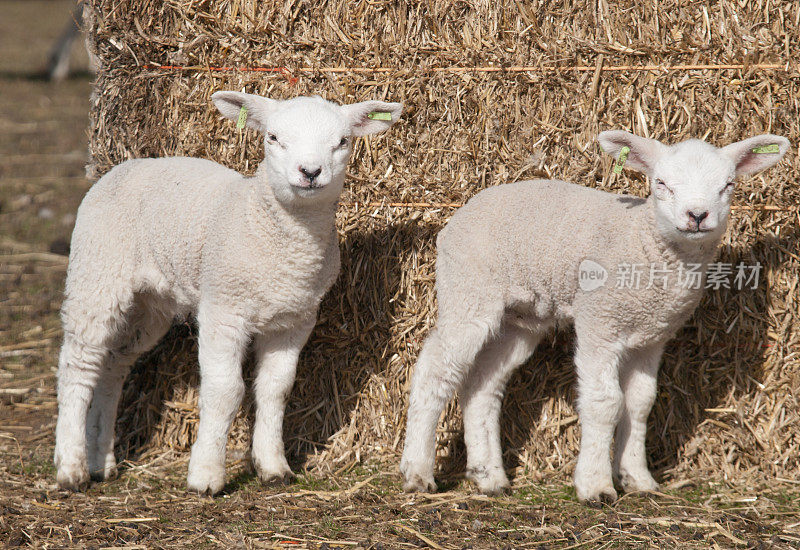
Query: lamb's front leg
x,y
276,353
222,341
599,408
638,380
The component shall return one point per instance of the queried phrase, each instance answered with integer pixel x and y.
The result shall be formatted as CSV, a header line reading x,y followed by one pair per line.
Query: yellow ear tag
x,y
623,157
773,148
380,115
242,121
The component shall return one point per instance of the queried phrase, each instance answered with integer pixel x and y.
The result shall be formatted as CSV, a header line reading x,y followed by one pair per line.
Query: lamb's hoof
x,y
416,483
596,496
642,483
205,480
73,477
275,476
417,478
104,475
272,468
490,482
104,472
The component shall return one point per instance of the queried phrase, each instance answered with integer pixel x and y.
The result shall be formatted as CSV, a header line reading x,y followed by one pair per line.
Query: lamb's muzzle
x,y
310,174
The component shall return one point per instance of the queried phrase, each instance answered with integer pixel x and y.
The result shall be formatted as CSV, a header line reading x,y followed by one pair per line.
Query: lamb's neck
x,y
269,215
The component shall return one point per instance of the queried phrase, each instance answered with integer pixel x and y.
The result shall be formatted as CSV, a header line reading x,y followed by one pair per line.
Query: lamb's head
x,y
307,140
692,181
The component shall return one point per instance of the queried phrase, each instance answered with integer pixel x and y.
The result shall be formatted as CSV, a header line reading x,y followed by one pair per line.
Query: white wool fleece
x,y
251,258
509,267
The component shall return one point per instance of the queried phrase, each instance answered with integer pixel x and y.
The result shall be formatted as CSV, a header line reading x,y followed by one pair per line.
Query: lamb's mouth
x,y
694,231
308,188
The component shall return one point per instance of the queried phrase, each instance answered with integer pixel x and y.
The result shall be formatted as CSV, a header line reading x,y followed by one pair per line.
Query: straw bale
x,y
727,403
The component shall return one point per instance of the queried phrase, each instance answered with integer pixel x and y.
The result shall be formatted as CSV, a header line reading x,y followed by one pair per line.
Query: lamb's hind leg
x,y
100,420
638,380
80,366
447,356
143,331
91,326
481,401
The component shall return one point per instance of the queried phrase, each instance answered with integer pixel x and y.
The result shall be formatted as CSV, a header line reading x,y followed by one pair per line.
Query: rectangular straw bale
x,y
727,403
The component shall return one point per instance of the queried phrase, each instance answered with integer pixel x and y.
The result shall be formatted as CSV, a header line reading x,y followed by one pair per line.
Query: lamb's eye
x,y
663,186
728,187
343,142
273,138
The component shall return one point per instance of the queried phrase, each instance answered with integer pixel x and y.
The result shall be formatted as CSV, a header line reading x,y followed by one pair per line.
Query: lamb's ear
x,y
258,107
643,152
370,117
757,153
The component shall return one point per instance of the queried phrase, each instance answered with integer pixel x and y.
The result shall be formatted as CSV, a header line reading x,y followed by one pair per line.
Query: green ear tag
x,y
380,115
240,123
773,148
623,156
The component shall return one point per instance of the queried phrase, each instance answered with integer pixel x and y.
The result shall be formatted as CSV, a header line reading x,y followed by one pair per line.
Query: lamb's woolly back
x,y
530,237
510,265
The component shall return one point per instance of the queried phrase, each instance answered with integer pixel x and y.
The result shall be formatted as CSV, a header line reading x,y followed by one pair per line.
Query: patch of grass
x,y
546,494
245,481
243,526
310,482
695,494
330,526
36,466
384,485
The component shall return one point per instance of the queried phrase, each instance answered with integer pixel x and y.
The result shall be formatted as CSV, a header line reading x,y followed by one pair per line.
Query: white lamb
x,y
251,258
508,269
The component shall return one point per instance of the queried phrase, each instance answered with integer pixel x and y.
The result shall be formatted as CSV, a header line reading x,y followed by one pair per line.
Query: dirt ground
x,y
42,155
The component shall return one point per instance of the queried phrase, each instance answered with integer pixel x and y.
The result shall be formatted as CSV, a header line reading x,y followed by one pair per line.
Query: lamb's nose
x,y
697,217
311,174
